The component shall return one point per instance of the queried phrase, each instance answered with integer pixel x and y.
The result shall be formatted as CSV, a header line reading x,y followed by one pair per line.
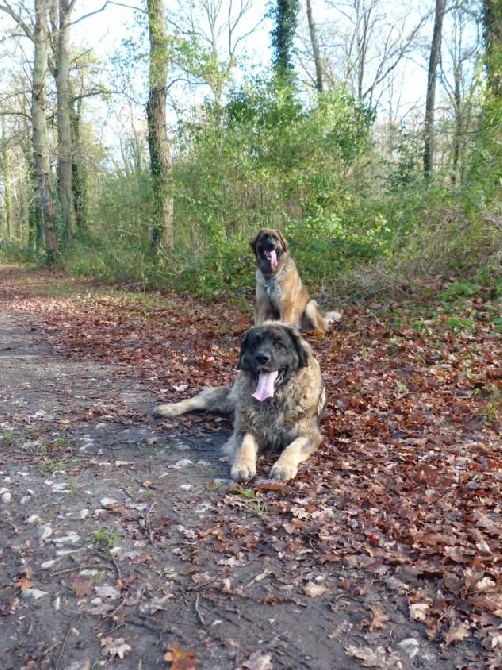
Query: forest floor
x,y
125,545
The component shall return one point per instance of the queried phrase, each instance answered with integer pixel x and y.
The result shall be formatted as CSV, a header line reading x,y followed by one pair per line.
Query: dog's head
x,y
269,246
273,353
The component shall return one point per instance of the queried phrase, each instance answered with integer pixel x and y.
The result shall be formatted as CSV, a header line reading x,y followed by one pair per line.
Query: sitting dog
x,y
280,293
277,400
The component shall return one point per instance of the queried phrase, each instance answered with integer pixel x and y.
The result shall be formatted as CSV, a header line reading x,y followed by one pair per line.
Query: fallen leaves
x,y
405,488
257,661
115,647
24,582
315,590
457,633
80,586
418,611
180,659
378,657
379,620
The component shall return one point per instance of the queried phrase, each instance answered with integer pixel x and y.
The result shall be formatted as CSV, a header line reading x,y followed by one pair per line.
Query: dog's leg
x,y
263,310
260,314
286,467
244,465
210,399
289,314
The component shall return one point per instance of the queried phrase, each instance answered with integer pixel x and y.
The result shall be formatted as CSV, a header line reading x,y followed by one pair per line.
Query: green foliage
x,y
450,242
458,324
11,252
459,289
267,161
285,16
116,247
356,224
104,539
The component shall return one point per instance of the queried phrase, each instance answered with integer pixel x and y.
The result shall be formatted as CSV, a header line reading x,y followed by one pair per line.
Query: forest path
x,y
115,551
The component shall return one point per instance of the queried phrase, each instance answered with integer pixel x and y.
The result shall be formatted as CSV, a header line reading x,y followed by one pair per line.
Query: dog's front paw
x,y
281,472
243,472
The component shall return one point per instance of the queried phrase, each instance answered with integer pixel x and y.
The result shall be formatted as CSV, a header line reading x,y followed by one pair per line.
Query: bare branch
x,y
7,9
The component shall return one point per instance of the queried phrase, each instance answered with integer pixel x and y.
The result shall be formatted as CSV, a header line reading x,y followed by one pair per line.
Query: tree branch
x,y
5,7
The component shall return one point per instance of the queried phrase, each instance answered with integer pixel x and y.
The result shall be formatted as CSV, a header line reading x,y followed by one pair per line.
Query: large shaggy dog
x,y
276,399
280,293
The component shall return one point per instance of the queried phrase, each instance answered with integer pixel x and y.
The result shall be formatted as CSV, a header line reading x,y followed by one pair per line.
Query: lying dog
x,y
276,399
280,293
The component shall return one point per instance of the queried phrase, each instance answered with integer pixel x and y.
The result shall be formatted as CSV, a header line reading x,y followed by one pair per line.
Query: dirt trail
x,y
107,557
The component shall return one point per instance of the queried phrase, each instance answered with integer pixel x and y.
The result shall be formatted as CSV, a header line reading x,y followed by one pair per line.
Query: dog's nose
x,y
262,357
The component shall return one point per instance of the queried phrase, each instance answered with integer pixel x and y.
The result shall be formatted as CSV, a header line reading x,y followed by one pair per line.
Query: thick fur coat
x,y
276,400
280,292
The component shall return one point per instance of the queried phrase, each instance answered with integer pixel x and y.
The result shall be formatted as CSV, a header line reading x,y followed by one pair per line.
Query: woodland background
x,y
142,148
145,144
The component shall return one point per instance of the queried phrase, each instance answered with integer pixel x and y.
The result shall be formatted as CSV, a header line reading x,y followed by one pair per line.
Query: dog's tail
x,y
332,317
314,319
209,399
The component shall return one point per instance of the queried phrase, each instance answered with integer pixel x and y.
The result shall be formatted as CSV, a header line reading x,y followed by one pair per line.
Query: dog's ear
x,y
300,346
283,240
242,364
254,241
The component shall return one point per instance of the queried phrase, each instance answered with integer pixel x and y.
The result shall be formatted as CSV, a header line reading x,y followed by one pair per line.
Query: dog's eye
x,y
279,344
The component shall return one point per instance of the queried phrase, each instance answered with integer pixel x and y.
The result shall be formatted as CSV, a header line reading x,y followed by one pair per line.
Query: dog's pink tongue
x,y
273,259
265,387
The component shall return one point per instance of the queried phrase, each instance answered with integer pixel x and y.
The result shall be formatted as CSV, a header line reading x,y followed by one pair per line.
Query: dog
x,y
280,292
277,400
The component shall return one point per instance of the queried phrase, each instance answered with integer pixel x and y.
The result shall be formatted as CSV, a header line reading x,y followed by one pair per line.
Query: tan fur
x,y
288,422
281,294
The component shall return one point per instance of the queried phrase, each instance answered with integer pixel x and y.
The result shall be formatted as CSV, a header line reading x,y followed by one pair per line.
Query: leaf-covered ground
x,y
400,509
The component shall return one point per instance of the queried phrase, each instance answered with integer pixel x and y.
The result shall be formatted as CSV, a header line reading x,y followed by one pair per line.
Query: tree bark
x,y
431,89
40,132
63,118
79,172
315,48
492,24
7,178
158,141
283,37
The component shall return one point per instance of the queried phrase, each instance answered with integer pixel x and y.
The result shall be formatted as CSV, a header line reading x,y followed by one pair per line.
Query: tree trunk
x,y
40,133
7,178
283,37
63,119
457,136
315,48
158,142
492,24
79,173
431,89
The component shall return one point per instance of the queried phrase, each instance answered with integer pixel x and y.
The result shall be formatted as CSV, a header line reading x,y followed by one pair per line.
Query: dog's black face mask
x,y
269,246
269,251
273,353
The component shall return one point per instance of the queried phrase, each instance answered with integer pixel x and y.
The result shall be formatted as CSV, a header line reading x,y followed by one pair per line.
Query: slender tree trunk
x,y
63,119
158,142
315,47
457,137
431,89
492,23
362,35
7,176
79,175
40,133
